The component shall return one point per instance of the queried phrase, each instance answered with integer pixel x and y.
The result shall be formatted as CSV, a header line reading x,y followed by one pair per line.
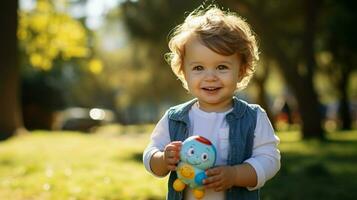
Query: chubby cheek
x,y
192,82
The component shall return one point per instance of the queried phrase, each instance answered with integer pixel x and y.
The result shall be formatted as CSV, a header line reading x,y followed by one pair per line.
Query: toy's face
x,y
199,152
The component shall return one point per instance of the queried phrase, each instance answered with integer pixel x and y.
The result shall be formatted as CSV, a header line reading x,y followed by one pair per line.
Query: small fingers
x,y
171,167
213,172
213,185
172,154
210,180
173,149
176,143
171,163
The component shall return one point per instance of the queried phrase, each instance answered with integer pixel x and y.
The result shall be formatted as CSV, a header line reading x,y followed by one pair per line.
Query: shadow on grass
x,y
137,157
155,198
314,177
343,142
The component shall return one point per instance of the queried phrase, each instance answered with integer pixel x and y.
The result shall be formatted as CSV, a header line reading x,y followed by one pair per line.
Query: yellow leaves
x,y
48,34
36,59
40,61
43,6
39,22
22,34
95,66
324,58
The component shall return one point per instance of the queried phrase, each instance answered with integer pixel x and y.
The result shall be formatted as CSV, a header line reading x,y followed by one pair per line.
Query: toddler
x,y
213,53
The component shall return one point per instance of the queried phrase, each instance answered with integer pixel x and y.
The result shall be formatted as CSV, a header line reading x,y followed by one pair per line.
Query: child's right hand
x,y
172,154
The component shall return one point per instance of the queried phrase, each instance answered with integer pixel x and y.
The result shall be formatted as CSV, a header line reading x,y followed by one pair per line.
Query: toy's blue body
x,y
197,155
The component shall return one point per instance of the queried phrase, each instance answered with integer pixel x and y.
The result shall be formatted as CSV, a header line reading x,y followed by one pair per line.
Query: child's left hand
x,y
220,178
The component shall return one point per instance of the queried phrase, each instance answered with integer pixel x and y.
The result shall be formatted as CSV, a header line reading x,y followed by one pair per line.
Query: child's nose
x,y
211,75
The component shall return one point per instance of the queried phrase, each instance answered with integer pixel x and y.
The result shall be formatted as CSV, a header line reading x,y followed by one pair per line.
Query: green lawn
x,y
73,166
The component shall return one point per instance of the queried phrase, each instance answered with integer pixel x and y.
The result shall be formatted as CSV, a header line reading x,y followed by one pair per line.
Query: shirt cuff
x,y
259,171
146,160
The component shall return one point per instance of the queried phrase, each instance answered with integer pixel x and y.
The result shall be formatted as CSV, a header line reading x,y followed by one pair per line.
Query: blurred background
x,y
97,66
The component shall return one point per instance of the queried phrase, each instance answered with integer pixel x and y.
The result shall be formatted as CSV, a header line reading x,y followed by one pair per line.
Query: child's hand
x,y
172,154
220,178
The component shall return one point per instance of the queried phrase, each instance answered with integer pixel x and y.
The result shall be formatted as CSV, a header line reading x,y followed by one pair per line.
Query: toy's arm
x,y
200,177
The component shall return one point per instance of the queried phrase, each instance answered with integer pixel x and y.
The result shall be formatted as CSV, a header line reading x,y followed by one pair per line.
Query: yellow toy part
x,y
179,185
198,194
187,171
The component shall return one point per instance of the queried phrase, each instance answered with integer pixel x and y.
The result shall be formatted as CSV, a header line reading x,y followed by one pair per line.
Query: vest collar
x,y
239,108
180,112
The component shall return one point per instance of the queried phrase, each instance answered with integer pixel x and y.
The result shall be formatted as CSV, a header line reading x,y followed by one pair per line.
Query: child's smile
x,y
211,89
211,77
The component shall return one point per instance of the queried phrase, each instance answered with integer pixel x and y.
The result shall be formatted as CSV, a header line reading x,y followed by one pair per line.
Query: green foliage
x,y
107,165
152,20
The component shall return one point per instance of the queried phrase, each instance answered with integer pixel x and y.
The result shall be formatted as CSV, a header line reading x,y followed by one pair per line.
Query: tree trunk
x,y
343,109
10,118
262,94
303,88
310,110
312,123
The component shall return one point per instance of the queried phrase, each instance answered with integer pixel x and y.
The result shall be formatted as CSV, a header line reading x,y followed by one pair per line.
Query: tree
x,y
287,33
10,118
341,47
46,35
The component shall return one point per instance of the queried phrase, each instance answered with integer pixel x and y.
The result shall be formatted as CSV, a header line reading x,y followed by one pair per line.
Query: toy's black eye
x,y
204,157
191,151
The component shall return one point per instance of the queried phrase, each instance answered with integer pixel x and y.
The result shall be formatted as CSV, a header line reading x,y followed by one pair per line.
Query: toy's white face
x,y
198,154
211,77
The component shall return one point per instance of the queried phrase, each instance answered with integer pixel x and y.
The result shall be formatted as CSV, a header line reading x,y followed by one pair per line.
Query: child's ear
x,y
241,72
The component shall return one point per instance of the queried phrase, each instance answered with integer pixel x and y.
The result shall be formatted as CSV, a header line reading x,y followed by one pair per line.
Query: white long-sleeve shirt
x,y
265,157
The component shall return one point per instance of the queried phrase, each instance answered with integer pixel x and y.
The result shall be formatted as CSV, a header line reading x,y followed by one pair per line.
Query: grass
x,y
107,165
316,170
62,166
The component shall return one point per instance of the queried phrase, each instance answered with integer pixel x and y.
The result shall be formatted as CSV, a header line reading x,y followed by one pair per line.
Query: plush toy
x,y
197,154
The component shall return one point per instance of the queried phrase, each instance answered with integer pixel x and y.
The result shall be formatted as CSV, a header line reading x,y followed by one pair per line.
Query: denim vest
x,y
241,121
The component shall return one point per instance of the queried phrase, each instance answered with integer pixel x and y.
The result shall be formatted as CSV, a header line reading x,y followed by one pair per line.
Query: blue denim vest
x,y
241,121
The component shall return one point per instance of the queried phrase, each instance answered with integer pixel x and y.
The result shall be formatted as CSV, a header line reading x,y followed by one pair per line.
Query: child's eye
x,y
197,68
222,67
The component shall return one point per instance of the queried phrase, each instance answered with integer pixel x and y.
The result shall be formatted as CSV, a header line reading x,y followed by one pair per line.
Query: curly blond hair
x,y
223,32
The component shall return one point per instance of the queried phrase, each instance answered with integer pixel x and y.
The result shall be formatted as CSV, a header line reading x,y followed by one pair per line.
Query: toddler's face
x,y
211,77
